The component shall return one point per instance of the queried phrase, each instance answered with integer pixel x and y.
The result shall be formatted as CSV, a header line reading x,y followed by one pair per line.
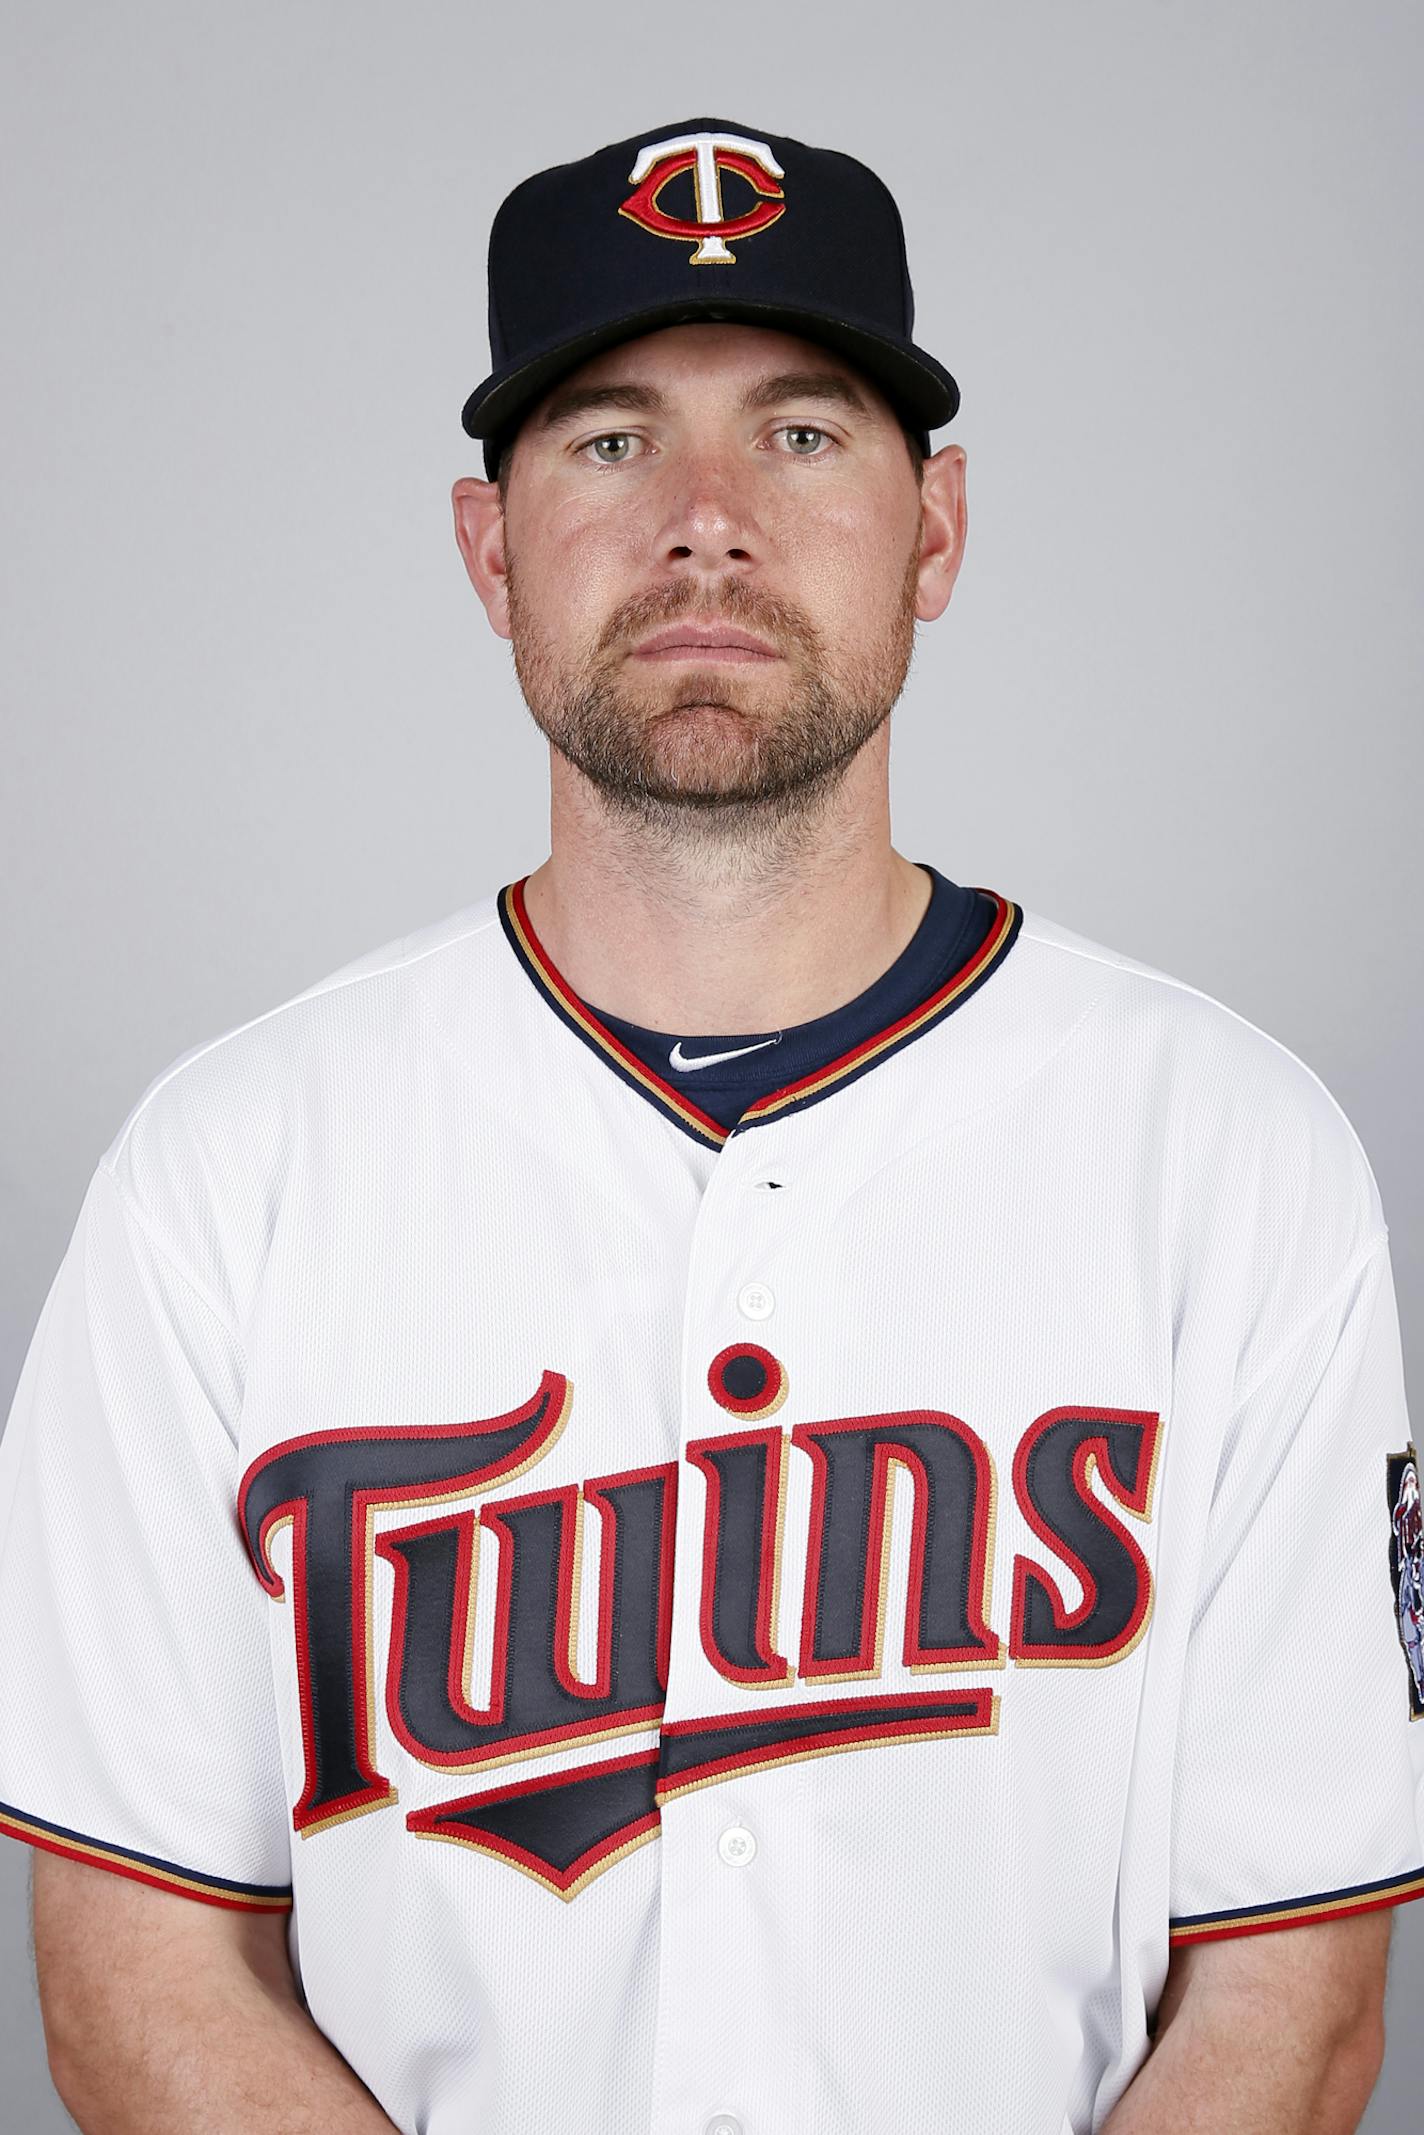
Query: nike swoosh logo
x,y
678,1060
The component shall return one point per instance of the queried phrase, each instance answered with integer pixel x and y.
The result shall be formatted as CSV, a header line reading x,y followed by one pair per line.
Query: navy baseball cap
x,y
705,219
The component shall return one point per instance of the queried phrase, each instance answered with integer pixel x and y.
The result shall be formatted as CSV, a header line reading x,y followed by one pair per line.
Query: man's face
x,y
695,482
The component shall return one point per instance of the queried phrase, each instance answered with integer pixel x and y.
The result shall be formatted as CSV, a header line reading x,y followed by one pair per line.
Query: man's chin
x,y
713,766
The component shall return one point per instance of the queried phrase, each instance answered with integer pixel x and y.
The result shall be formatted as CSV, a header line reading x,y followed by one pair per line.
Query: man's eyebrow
x,y
574,401
805,385
628,395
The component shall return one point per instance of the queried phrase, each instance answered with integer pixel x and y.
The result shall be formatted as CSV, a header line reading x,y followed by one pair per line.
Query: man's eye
x,y
793,431
622,439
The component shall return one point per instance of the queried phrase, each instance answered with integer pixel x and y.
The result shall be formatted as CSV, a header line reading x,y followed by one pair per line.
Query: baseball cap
x,y
703,219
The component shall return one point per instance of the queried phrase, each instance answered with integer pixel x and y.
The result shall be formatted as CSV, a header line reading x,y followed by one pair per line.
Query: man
x,y
741,1490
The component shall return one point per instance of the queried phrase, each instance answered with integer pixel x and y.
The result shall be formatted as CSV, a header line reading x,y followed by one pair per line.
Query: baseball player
x,y
741,1490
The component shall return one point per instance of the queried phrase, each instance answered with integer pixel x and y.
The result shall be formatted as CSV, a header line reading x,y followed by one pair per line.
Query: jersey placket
x,y
726,2038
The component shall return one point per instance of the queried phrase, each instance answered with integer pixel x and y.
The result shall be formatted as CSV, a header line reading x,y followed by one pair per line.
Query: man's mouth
x,y
704,641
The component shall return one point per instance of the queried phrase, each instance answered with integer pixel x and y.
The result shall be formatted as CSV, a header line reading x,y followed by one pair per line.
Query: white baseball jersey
x,y
759,1632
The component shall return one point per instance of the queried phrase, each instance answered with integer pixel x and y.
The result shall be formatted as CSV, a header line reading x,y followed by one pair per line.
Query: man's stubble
x,y
762,765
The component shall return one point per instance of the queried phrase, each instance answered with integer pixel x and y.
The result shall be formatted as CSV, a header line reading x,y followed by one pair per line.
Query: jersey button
x,y
737,1845
755,1301
723,2124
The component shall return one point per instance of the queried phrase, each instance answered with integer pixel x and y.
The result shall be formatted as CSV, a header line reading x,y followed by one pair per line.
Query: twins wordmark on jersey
x,y
325,1487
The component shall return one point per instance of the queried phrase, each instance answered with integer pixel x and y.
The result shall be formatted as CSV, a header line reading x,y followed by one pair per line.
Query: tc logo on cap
x,y
706,155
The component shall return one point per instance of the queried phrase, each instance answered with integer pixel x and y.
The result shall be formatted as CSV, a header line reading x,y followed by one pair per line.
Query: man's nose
x,y
710,518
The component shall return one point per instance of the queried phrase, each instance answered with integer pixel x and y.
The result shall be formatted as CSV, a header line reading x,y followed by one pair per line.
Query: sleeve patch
x,y
1406,1567
1296,1912
144,1867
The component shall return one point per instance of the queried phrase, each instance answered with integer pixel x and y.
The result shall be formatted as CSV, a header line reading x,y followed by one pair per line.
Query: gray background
x,y
255,722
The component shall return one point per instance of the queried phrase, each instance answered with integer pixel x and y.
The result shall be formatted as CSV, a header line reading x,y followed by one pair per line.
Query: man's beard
x,y
766,756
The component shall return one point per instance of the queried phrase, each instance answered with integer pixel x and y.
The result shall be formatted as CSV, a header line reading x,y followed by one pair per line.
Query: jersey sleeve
x,y
138,1729
1299,1782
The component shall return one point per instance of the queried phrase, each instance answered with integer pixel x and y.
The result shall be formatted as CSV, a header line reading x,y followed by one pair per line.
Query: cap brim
x,y
921,388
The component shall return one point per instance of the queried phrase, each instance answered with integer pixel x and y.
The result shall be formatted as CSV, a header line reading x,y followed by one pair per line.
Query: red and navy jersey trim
x,y
795,1096
1296,1912
144,1867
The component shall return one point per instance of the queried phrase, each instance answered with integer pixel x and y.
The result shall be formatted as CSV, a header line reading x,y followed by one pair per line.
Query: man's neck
x,y
701,949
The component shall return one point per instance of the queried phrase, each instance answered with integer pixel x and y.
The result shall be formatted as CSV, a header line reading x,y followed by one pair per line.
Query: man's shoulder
x,y
224,1111
1244,1110
457,929
1202,1030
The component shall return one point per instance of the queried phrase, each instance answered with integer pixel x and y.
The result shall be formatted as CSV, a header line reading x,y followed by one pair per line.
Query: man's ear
x,y
479,530
945,520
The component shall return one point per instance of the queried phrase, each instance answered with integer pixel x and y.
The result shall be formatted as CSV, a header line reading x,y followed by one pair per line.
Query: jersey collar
x,y
795,1096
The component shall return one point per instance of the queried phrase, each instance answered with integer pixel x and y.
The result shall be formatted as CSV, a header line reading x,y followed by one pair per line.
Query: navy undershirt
x,y
955,922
